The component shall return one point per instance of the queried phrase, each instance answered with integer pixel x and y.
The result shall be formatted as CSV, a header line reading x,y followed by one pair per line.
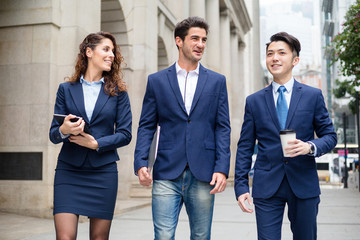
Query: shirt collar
x,y
288,86
178,69
82,80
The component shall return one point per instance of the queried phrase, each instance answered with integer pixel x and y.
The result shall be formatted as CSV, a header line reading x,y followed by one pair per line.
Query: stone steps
x,y
139,191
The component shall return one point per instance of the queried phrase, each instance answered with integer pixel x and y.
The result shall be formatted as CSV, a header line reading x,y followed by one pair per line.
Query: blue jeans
x,y
168,196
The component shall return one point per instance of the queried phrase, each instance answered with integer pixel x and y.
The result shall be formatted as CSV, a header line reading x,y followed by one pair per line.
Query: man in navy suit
x,y
279,180
190,104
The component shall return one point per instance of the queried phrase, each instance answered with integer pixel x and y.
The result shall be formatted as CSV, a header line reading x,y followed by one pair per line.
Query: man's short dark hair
x,y
292,41
182,28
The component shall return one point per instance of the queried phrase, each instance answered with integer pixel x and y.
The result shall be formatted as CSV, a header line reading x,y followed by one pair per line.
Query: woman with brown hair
x,y
98,121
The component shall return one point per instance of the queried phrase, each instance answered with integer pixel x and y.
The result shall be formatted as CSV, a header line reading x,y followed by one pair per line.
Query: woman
x,y
86,175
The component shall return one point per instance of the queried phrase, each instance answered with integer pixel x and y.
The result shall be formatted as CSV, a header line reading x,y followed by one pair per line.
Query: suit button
x,y
189,121
286,161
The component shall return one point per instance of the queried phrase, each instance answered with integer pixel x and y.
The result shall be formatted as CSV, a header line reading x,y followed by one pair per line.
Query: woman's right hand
x,y
69,127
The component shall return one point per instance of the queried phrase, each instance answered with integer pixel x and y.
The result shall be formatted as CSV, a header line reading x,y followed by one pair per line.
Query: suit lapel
x,y
200,86
77,94
100,102
172,77
295,97
269,99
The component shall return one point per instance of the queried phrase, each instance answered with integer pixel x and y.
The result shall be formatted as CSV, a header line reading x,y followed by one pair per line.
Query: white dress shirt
x,y
187,84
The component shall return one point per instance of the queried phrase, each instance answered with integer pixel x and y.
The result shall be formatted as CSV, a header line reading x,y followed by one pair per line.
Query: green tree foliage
x,y
345,49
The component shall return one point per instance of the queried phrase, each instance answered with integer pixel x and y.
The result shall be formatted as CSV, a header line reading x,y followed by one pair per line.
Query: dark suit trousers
x,y
301,213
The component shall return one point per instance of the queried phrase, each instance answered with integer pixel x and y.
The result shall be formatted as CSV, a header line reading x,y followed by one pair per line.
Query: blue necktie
x,y
281,107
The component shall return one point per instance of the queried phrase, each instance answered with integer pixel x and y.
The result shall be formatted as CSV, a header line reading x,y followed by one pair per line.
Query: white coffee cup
x,y
286,135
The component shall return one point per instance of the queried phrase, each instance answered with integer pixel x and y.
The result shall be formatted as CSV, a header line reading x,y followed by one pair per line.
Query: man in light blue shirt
x,y
280,180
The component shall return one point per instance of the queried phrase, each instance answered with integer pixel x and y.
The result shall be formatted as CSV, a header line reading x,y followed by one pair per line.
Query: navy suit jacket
x,y
200,139
110,125
307,114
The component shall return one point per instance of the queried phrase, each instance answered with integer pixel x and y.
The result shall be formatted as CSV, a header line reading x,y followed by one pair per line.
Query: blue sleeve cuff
x,y
62,135
315,149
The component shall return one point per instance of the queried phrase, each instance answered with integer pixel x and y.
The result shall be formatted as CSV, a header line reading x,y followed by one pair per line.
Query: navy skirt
x,y
86,190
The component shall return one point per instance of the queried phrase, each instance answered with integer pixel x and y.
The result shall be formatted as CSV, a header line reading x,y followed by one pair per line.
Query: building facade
x,y
38,45
332,18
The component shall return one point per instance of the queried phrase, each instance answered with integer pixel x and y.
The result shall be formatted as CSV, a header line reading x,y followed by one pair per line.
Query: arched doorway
x,y
162,55
113,21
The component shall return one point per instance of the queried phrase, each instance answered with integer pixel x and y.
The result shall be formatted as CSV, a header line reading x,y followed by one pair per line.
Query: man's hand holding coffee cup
x,y
297,147
291,146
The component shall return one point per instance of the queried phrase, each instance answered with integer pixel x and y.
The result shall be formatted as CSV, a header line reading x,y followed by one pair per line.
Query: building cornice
x,y
170,18
242,14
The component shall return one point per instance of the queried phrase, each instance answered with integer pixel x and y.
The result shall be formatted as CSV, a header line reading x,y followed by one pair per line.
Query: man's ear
x,y
179,42
296,60
88,52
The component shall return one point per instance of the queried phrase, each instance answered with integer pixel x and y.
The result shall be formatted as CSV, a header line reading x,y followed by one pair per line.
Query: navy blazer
x,y
307,114
110,125
200,139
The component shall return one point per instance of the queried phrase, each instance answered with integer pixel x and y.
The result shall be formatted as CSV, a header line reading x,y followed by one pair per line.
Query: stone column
x,y
186,9
236,96
255,50
225,57
243,78
225,65
145,36
213,43
197,8
143,53
247,62
236,72
144,41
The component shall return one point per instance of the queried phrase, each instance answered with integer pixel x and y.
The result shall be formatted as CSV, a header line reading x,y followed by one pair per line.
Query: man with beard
x,y
190,104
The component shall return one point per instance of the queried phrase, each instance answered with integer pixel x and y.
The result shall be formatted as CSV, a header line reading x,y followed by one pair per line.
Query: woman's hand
x,y
85,140
76,129
69,127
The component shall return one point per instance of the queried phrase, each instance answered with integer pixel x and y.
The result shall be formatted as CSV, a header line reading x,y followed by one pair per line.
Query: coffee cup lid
x,y
287,131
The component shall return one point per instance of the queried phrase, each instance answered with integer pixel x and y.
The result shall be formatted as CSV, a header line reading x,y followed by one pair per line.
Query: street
x,y
338,219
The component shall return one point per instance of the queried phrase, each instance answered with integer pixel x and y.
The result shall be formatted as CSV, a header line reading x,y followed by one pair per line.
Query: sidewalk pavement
x,y
338,219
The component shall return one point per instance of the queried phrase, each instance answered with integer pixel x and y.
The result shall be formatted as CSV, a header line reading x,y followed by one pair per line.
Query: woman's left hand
x,y
85,140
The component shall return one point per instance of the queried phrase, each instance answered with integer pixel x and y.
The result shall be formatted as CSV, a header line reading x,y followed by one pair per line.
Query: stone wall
x,y
38,45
